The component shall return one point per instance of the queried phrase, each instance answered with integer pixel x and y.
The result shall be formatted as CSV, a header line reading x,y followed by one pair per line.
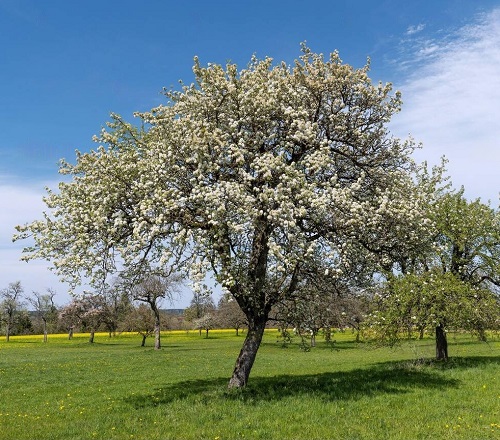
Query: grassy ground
x,y
114,389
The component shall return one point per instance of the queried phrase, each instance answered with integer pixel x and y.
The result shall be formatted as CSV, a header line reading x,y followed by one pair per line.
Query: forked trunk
x,y
248,353
441,344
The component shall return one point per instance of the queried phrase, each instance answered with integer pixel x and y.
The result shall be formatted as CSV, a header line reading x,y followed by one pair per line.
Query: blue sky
x,y
66,65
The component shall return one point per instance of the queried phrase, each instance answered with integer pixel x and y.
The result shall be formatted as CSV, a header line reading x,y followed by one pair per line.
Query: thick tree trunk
x,y
70,333
156,312
441,344
157,336
143,340
248,353
91,338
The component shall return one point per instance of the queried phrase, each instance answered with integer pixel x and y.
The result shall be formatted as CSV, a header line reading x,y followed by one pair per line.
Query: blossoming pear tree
x,y
246,174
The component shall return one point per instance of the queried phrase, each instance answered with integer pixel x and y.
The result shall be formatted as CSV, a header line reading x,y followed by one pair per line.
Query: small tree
x,y
200,306
207,322
454,280
432,300
45,308
10,304
115,305
140,319
153,290
230,315
87,310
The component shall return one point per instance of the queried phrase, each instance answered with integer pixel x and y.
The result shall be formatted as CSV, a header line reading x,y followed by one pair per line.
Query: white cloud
x,y
415,29
451,105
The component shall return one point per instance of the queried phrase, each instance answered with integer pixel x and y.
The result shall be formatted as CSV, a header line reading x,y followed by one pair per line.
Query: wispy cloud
x,y
415,29
451,103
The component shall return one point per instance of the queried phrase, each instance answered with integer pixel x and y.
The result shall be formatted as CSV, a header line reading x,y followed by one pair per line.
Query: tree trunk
x,y
70,333
441,344
91,338
481,334
248,353
7,332
206,334
144,340
157,334
44,330
156,312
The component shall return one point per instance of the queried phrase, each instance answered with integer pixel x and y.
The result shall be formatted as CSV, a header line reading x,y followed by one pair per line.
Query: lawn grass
x,y
114,389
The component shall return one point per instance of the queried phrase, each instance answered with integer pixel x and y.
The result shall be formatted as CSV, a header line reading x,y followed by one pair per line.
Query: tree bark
x,y
248,352
313,339
156,312
45,337
91,338
441,344
143,340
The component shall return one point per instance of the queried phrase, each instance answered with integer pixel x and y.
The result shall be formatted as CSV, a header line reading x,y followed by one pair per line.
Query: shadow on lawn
x,y
386,378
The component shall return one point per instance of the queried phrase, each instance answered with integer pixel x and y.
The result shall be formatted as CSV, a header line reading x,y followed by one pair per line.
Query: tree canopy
x,y
251,174
454,283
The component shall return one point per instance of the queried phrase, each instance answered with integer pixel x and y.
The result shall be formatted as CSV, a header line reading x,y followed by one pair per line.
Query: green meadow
x,y
114,389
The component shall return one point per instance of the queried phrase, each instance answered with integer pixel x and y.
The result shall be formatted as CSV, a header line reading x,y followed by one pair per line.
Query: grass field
x,y
114,389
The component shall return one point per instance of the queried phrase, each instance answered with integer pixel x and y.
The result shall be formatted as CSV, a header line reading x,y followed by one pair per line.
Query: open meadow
x,y
114,389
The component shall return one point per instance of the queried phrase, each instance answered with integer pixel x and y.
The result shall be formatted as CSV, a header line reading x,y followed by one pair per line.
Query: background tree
x,y
140,319
153,290
23,324
248,174
44,308
454,283
114,304
229,314
87,311
10,305
207,322
322,302
200,306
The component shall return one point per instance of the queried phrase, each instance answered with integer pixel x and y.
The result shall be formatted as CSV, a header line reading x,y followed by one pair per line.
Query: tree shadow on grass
x,y
386,378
